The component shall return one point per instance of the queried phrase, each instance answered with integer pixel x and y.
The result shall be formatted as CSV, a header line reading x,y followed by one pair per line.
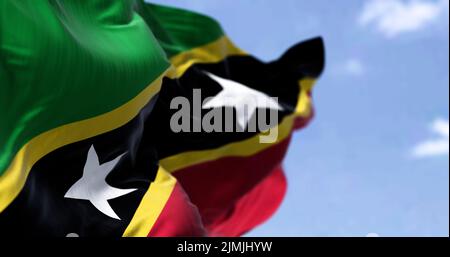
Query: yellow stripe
x,y
210,53
151,205
244,148
13,180
304,104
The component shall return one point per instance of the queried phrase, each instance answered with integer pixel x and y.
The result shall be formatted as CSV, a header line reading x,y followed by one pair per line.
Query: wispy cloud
x,y
354,67
438,146
394,17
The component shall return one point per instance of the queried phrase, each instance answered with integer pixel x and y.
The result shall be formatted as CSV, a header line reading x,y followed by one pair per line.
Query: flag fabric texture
x,y
87,145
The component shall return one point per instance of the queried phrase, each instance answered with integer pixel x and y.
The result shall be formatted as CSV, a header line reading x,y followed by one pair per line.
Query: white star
x,y
92,185
244,99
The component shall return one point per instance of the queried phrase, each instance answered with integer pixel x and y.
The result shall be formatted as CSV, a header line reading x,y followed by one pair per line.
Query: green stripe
x,y
65,61
180,30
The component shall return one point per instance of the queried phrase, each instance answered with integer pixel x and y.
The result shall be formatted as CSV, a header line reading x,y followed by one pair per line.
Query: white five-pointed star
x,y
92,185
244,99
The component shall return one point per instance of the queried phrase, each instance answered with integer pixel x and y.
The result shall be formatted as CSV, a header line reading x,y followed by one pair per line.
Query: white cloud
x,y
372,235
394,17
438,146
354,67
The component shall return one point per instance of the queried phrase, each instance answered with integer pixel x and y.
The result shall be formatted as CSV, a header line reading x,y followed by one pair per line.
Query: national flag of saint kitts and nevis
x,y
87,139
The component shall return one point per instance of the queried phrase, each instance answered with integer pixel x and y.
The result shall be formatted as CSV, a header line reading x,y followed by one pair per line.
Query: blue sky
x,y
375,159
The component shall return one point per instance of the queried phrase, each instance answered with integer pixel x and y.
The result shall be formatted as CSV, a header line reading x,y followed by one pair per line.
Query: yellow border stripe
x,y
244,148
13,180
210,53
304,104
152,205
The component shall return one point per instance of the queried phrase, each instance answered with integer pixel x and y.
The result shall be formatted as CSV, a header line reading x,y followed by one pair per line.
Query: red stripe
x,y
216,187
255,207
179,218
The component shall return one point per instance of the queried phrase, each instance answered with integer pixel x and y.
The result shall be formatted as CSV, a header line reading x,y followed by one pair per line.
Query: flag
x,y
219,170
86,142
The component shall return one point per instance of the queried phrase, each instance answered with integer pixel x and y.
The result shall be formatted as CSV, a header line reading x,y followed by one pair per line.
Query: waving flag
x,y
86,142
221,171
